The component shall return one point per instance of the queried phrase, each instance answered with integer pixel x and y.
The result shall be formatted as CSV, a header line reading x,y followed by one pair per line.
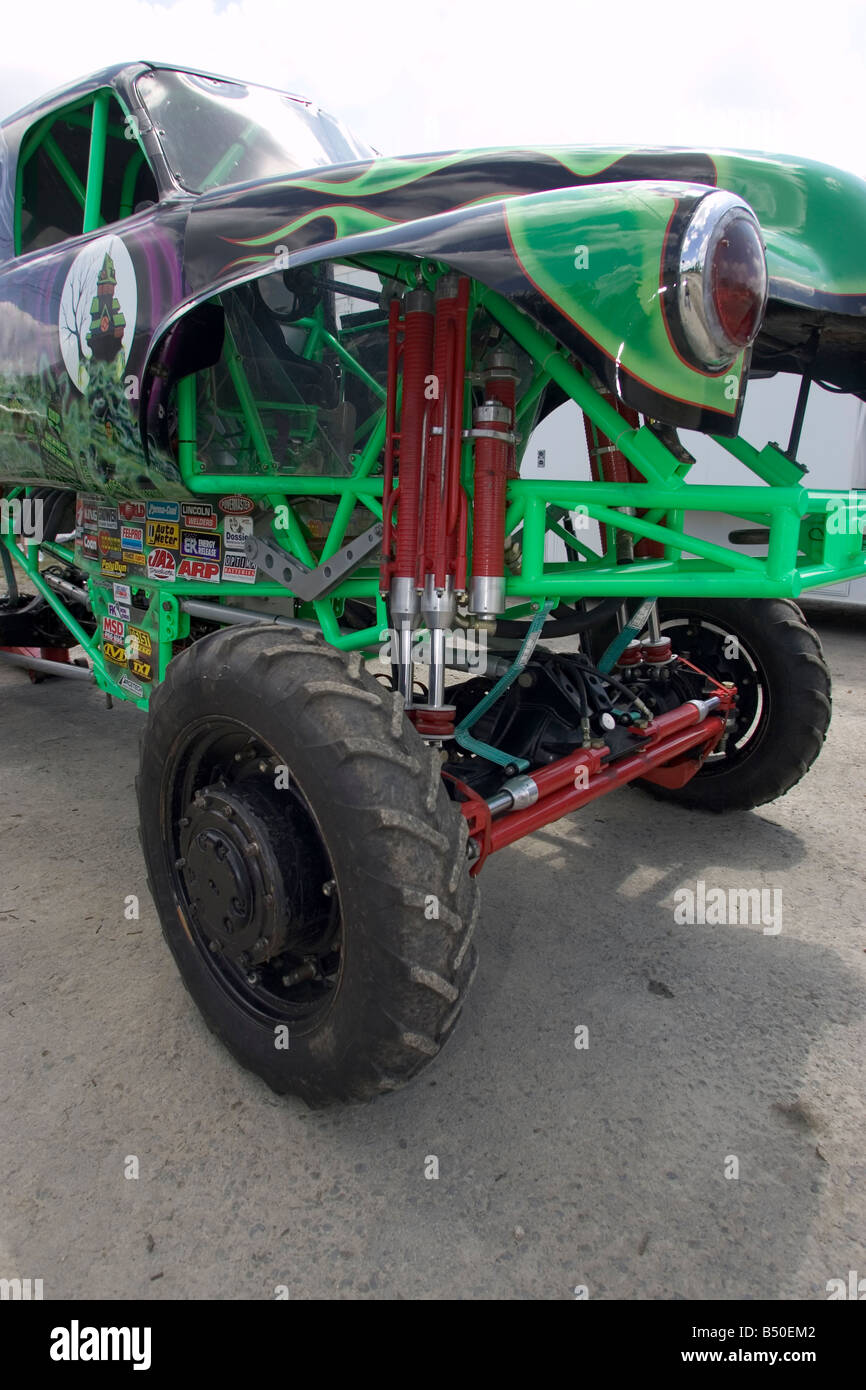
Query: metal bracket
x,y
309,584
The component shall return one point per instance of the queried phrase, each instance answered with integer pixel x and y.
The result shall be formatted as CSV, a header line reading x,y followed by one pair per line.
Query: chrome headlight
x,y
722,282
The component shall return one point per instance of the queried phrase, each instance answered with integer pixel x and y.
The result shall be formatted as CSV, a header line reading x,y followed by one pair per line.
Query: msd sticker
x,y
202,547
163,511
112,630
198,516
207,570
239,569
161,564
236,530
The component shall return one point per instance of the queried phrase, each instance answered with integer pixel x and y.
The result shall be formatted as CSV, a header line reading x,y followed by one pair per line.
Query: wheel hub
x,y
233,878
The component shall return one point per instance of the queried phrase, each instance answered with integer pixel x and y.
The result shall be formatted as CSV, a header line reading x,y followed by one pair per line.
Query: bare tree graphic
x,y
75,309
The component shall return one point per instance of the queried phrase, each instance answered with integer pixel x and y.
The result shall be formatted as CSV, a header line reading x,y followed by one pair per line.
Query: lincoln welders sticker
x,y
198,516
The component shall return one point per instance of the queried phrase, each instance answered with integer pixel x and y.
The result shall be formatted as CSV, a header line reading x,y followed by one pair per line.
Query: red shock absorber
x,y
609,465
500,384
487,594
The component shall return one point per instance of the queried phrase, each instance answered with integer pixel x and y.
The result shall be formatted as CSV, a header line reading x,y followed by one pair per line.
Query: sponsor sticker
x,y
236,504
161,564
239,569
139,642
207,570
198,516
114,653
236,530
132,537
121,611
122,593
106,518
110,568
163,511
90,516
165,534
89,546
132,511
108,543
113,629
142,669
132,557
202,547
133,687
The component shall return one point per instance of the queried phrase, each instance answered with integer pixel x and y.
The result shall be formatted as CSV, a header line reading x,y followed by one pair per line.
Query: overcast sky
x,y
413,76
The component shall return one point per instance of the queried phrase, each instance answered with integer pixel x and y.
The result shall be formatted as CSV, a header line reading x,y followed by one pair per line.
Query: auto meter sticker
x,y
98,310
202,547
132,537
207,570
199,516
236,530
161,564
164,534
239,569
236,504
122,593
163,511
132,511
131,686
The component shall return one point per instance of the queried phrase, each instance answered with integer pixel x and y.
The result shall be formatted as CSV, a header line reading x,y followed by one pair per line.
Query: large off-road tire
x,y
766,647
307,865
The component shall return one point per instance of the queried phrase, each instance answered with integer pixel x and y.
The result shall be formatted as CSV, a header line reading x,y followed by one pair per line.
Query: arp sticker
x,y
132,537
122,593
165,534
119,610
236,530
236,504
207,570
132,511
199,546
161,564
198,516
131,686
239,569
114,653
163,511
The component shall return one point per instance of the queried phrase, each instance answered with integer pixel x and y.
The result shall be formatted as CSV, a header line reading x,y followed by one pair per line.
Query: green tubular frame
x,y
803,550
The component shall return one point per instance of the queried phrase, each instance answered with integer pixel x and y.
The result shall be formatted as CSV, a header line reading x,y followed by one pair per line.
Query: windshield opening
x,y
214,132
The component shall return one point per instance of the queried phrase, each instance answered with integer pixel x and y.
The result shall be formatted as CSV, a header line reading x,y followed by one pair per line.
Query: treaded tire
x,y
796,684
395,842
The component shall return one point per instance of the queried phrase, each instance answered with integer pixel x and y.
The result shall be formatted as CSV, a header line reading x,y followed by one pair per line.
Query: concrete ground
x,y
603,1167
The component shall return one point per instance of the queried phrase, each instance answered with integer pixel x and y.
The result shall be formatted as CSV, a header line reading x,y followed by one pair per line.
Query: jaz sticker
x,y
98,309
236,504
239,569
207,570
161,564
198,516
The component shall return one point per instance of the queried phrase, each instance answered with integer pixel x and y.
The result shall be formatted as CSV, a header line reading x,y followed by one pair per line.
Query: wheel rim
x,y
251,873
708,646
